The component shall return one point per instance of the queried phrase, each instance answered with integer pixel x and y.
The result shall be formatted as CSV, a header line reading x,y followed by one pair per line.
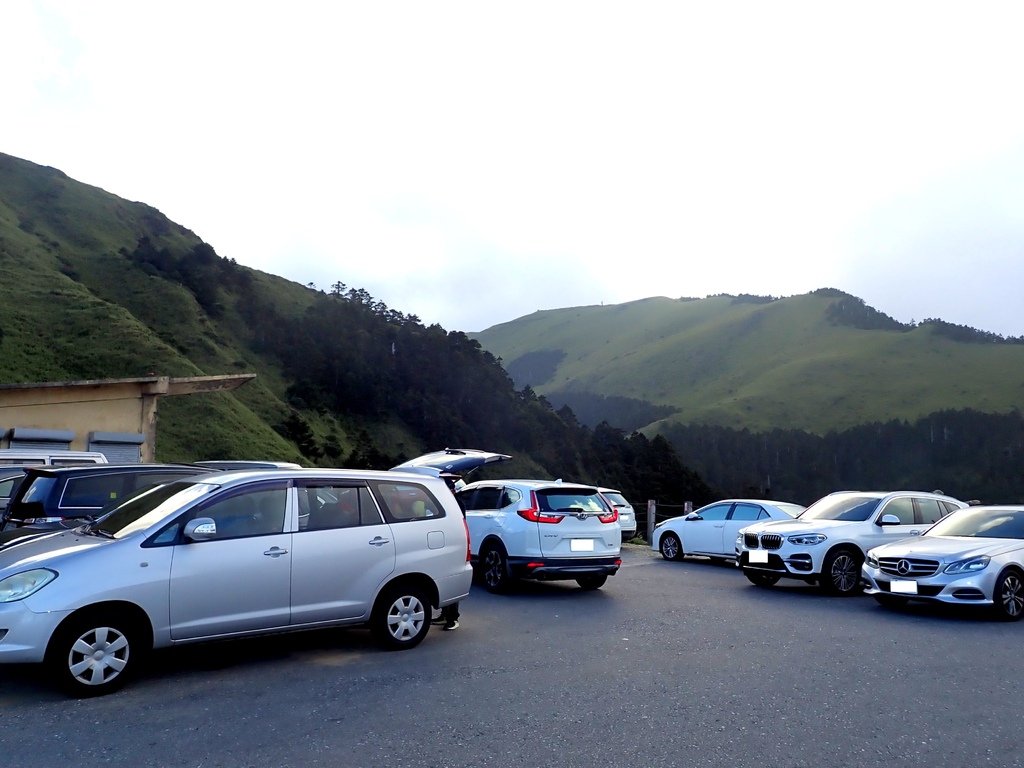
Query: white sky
x,y
472,162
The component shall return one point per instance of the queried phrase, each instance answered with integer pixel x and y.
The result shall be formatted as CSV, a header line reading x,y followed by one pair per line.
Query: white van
x,y
44,456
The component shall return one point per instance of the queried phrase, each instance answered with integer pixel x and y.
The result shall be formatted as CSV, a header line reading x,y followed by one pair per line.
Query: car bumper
x,y
24,634
788,561
970,589
554,569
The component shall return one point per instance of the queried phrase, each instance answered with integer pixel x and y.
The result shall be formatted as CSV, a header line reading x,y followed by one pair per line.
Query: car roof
x,y
534,484
224,477
50,470
247,464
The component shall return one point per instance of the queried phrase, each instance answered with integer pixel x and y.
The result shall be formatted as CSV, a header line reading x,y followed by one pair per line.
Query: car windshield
x,y
847,508
982,523
149,507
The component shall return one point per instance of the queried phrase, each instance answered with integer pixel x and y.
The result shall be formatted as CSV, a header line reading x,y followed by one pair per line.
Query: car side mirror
x,y
694,516
889,520
200,529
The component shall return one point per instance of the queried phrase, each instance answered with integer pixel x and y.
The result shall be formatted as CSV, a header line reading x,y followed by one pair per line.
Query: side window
x,y
147,479
325,506
747,512
763,515
255,512
948,507
404,502
93,491
510,496
903,509
715,512
487,497
930,511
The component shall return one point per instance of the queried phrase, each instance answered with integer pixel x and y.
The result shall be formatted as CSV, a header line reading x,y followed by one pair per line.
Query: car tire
x,y
759,579
95,653
1008,595
890,601
671,547
401,617
592,582
840,572
494,571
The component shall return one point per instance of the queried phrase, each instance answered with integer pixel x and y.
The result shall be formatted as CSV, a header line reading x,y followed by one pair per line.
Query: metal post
x,y
652,509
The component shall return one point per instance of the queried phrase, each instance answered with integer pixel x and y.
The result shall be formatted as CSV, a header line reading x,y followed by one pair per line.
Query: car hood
x,y
46,548
456,461
948,547
787,527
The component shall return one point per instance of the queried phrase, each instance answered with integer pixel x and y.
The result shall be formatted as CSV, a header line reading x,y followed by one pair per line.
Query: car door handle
x,y
275,552
720,526
915,533
377,541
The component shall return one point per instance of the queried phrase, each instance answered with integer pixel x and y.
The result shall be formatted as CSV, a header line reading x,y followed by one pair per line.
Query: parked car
x,y
826,544
51,457
711,530
540,529
232,554
974,556
238,464
627,517
60,497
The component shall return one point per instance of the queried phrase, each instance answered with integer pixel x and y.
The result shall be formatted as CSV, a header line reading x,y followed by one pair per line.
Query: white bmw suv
x,y
827,542
540,529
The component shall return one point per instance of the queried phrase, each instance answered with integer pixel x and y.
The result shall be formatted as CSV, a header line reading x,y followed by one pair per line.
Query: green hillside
x,y
818,362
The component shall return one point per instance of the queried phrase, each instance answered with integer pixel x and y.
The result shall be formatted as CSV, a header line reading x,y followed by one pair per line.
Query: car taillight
x,y
534,515
611,517
464,523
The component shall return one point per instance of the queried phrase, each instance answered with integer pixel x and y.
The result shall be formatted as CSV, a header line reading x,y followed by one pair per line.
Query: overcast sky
x,y
470,163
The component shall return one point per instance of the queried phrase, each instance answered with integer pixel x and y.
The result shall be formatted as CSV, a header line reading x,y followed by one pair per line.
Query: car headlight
x,y
970,565
871,561
21,585
806,539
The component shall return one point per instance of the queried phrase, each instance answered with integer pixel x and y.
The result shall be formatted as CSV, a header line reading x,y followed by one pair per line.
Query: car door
x,y
705,532
903,508
743,514
482,505
342,552
240,580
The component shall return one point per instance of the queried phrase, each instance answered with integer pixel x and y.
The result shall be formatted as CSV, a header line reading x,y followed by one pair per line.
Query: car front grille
x,y
908,567
750,541
771,541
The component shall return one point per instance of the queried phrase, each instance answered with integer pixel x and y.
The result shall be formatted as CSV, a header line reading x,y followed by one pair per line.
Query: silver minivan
x,y
232,554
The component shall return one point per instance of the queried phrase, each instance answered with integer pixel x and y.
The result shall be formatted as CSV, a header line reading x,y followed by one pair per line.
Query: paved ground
x,y
669,665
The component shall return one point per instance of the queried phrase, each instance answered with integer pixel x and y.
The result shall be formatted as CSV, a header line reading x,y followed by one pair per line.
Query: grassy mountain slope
x,y
746,362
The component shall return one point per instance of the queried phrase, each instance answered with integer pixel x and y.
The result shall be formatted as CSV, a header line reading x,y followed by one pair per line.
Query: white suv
x,y
540,529
827,542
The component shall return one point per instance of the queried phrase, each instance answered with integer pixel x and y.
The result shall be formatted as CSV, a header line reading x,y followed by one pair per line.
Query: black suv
x,y
61,497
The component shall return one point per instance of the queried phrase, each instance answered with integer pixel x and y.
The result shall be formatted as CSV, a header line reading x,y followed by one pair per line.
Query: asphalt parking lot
x,y
669,664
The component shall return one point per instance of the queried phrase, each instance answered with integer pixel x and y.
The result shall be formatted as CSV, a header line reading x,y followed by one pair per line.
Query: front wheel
x,y
401,618
94,654
592,582
671,547
840,573
1008,596
759,579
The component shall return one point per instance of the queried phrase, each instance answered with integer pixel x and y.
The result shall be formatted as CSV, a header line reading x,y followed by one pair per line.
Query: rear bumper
x,y
554,569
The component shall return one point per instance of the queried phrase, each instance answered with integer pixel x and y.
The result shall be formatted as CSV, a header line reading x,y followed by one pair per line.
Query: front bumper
x,y
788,561
24,634
953,589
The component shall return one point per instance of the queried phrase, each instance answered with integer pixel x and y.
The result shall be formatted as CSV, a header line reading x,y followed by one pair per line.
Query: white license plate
x,y
758,556
903,587
581,545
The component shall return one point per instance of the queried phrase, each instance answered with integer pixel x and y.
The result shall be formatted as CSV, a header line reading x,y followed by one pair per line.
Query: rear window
x,y
616,498
38,489
403,502
570,501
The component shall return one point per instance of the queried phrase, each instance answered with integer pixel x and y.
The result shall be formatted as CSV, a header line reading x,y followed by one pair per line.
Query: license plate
x,y
581,545
903,587
758,556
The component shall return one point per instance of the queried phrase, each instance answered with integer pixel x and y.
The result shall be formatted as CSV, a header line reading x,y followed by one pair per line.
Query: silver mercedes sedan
x,y
974,556
231,554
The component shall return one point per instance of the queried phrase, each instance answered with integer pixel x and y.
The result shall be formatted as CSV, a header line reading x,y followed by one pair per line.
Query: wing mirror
x,y
694,516
201,529
889,520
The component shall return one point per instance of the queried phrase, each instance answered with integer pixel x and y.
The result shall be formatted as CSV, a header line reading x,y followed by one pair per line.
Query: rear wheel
x,y
759,579
671,547
592,582
494,568
401,617
840,573
1008,596
95,654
